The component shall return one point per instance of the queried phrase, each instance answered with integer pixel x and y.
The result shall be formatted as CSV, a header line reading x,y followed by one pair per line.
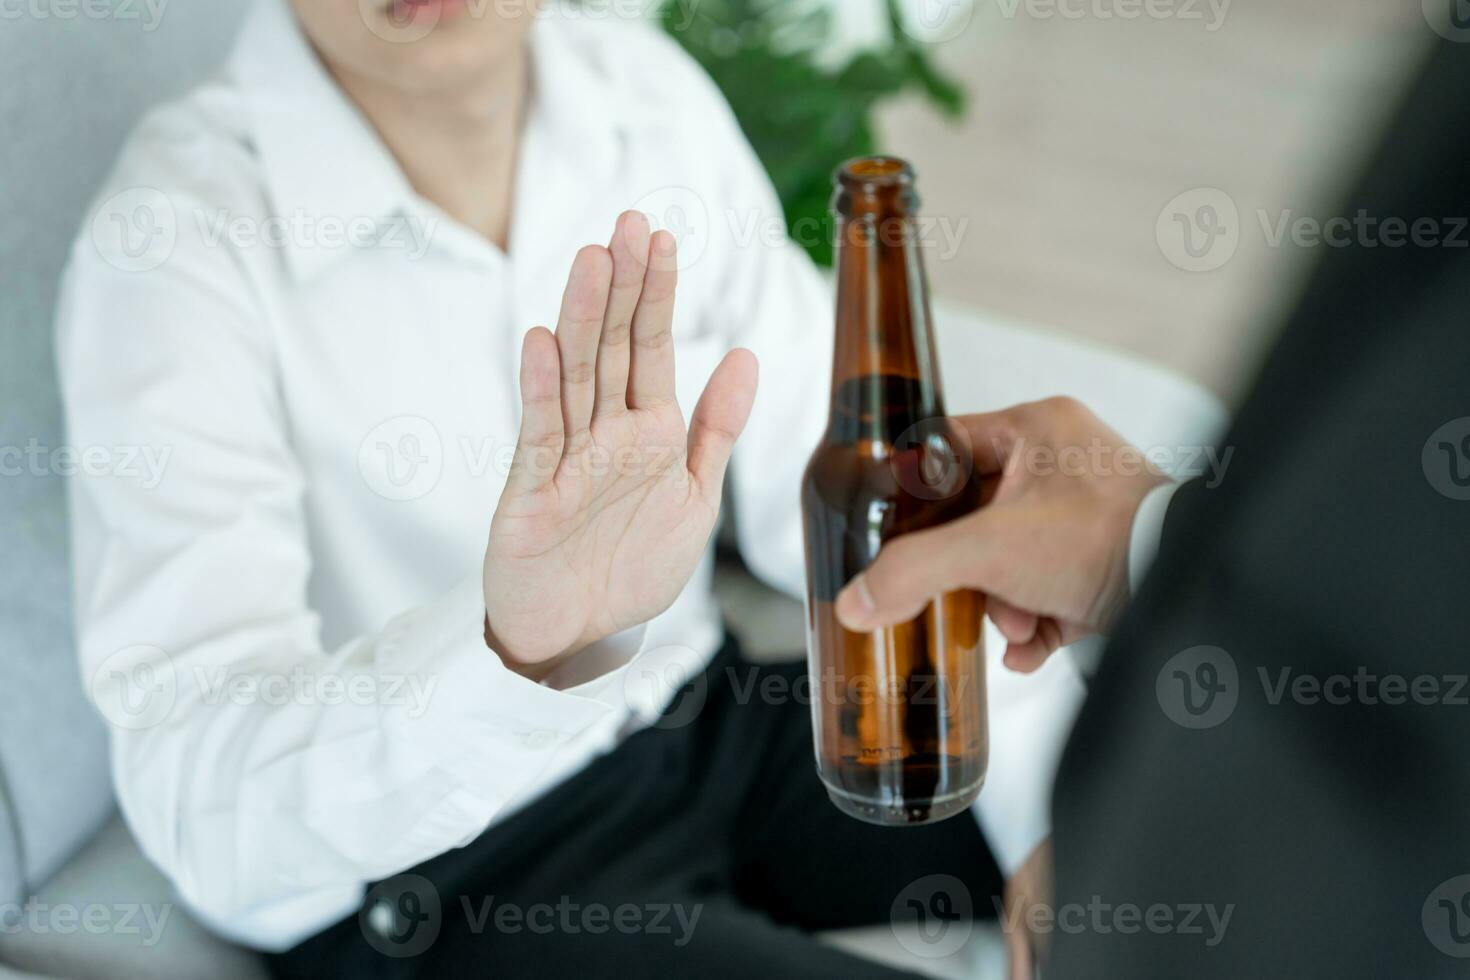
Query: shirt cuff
x,y
582,673
499,733
1148,527
1031,716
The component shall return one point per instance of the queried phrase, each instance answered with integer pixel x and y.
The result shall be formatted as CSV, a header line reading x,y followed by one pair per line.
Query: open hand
x,y
610,502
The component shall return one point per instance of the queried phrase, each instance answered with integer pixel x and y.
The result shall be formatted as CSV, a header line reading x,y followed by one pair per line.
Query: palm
x,y
610,502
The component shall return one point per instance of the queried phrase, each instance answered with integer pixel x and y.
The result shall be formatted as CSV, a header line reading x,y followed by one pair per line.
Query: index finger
x,y
992,436
912,569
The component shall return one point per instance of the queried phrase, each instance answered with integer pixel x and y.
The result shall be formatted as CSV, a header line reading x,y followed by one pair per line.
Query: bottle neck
x,y
885,374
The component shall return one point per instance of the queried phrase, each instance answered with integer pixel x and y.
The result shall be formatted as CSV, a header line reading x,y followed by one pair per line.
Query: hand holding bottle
x,y
1050,549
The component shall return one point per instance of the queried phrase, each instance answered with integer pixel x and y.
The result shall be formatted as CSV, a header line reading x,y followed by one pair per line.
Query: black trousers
x,y
703,847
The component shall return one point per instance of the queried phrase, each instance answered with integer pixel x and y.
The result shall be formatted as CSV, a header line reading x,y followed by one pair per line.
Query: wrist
x,y
530,667
1145,530
1118,579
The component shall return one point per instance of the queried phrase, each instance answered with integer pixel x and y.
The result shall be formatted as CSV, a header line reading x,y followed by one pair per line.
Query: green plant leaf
x,y
802,116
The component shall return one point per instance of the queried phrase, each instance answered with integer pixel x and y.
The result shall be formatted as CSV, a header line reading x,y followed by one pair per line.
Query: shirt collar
x,y
321,157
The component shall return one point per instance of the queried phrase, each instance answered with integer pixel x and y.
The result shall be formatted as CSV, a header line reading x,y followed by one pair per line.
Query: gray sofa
x,y
77,899
75,79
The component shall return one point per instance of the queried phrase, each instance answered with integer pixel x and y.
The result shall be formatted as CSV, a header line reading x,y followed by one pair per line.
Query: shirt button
x,y
382,919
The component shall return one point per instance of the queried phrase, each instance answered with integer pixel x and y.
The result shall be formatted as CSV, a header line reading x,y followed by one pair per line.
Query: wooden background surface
x,y
1082,129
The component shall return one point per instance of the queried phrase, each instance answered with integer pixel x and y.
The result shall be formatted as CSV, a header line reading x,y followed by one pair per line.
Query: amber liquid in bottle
x,y
899,714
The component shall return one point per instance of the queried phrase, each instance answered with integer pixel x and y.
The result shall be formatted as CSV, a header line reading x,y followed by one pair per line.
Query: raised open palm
x,y
610,502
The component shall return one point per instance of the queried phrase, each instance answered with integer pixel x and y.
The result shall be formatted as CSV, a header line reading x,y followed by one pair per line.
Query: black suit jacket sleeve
x,y
1279,730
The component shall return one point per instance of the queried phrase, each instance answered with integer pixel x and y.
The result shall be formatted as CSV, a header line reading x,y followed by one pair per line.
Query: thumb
x,y
720,417
913,569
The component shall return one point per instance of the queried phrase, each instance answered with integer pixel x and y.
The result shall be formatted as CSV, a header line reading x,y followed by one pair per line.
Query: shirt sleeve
x,y
268,776
1031,716
1148,528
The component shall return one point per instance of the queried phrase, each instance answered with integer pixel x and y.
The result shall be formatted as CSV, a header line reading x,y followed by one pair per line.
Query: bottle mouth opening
x,y
875,173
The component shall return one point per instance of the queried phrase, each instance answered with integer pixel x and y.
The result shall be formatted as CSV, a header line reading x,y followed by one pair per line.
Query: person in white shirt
x,y
311,286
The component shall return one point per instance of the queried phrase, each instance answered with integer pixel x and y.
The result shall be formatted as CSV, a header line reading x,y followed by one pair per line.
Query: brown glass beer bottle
x,y
899,714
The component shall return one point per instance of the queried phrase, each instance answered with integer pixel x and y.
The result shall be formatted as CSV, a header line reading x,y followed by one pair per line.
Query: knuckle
x,y
617,332
655,339
579,440
544,440
1069,408
660,287
1061,403
595,255
579,372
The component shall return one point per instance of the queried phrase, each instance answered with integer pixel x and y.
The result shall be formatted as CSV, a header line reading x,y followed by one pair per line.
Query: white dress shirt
x,y
285,627
1148,528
